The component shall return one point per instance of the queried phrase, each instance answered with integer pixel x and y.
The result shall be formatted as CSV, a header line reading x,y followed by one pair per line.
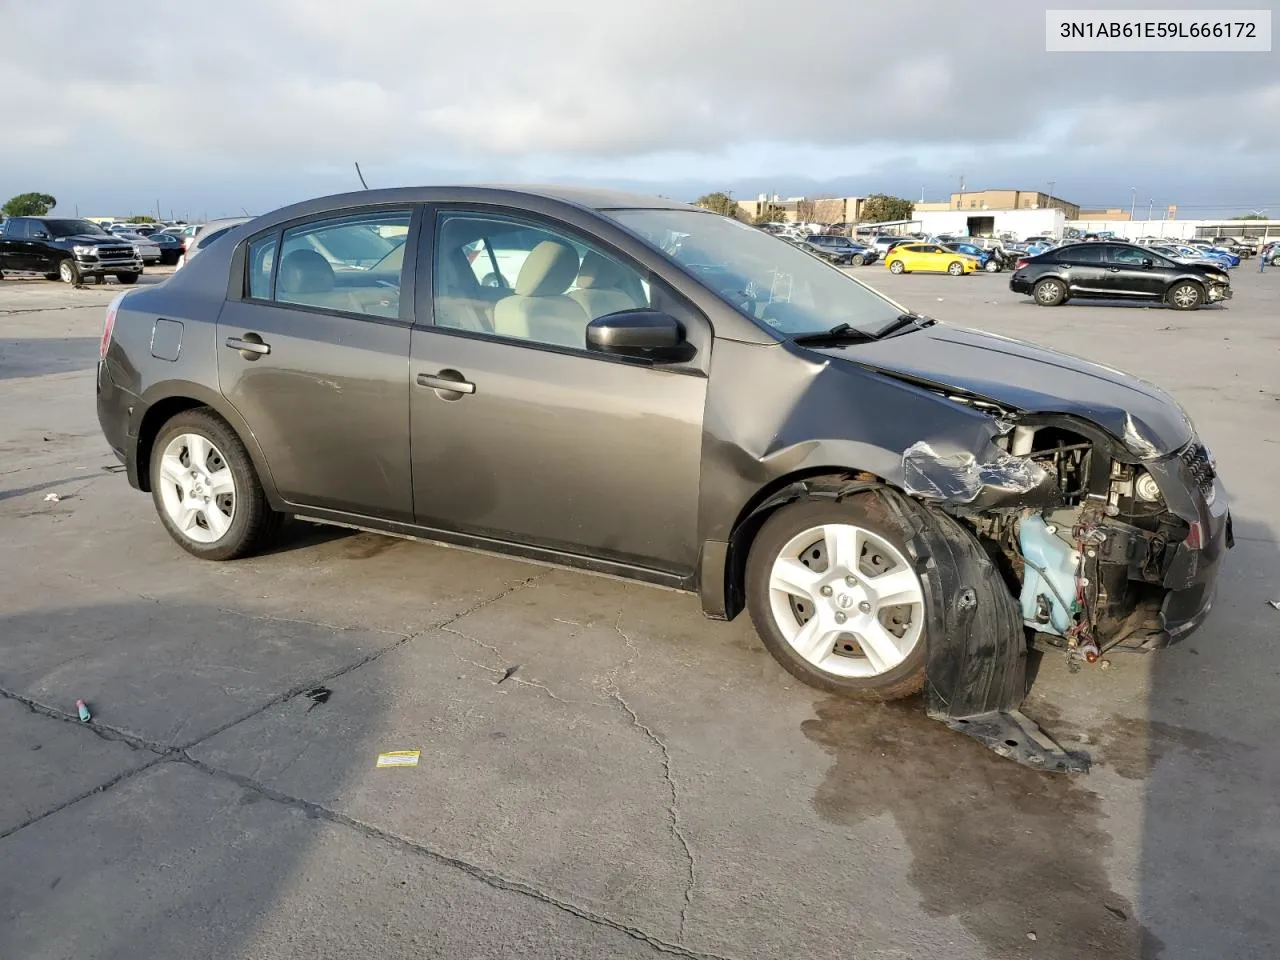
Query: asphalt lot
x,y
646,781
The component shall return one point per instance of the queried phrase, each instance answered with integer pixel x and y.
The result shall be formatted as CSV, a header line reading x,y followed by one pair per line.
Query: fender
x,y
142,431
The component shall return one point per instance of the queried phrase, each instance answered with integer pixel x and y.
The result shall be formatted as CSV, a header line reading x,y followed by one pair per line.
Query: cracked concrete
x,y
646,782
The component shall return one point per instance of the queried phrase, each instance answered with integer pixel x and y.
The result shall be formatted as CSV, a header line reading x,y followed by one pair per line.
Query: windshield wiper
x,y
841,332
913,320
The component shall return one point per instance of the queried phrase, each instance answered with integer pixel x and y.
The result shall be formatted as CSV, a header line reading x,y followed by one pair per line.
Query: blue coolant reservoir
x,y
1057,563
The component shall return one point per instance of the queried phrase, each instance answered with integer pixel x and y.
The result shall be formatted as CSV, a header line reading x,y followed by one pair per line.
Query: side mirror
x,y
1147,263
39,234
639,335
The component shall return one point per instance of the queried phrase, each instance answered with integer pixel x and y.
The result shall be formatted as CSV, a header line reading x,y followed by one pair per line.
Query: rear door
x,y
15,247
315,357
545,444
1083,267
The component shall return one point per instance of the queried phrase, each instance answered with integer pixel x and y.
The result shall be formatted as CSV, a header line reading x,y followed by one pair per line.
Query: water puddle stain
x,y
1006,850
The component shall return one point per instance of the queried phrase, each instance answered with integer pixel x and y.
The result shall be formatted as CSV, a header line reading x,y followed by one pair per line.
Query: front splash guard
x,y
976,670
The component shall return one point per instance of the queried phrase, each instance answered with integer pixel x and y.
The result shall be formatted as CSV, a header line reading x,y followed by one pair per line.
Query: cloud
x,y
283,93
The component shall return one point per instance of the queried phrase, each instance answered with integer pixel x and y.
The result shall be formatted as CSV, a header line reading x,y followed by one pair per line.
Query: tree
x,y
1251,216
720,202
29,205
881,207
806,211
141,219
770,213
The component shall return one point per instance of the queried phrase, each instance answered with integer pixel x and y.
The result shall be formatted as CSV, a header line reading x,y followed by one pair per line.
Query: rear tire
x,y
858,260
992,266
895,266
955,269
221,512
68,272
833,622
1049,292
1186,295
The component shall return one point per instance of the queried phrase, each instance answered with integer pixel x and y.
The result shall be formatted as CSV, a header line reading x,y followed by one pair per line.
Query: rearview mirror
x,y
639,335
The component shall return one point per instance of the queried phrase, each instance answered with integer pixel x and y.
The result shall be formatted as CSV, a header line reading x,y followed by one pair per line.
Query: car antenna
x,y
360,175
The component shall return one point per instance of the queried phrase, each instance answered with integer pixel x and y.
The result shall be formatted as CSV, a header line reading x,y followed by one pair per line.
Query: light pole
x,y
1134,202
1151,206
1051,183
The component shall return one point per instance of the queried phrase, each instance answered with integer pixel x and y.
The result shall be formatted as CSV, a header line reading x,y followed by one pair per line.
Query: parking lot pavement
x,y
642,781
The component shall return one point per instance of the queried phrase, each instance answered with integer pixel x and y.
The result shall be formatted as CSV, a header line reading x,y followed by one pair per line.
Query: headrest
x,y
600,272
548,271
305,271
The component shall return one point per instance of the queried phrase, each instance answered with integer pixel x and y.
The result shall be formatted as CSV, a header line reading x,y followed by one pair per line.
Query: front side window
x,y
524,281
771,282
1130,256
349,264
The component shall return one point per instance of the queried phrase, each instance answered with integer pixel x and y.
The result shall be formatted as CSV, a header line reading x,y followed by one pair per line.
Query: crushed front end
x,y
1125,552
1104,542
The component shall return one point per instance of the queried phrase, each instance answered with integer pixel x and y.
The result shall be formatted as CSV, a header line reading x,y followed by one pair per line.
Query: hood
x,y
1030,379
94,240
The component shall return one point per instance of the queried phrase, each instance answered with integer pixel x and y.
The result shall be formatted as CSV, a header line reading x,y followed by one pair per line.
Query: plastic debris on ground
x,y
51,498
82,711
1274,604
399,758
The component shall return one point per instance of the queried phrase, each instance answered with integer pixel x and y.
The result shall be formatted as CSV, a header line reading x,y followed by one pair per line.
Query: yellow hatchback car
x,y
929,257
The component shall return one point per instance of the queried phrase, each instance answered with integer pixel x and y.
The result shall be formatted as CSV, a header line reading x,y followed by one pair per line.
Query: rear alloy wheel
x,y
858,260
1185,296
836,600
956,268
206,490
992,266
68,272
1050,293
895,266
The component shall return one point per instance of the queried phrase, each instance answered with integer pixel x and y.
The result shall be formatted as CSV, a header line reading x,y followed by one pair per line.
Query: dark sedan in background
x,y
1118,271
853,254
668,395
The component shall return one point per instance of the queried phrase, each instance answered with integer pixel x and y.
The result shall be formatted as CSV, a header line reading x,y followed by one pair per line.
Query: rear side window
x,y
347,264
16,229
1084,253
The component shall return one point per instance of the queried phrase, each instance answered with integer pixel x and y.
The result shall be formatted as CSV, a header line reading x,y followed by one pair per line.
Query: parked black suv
x,y
66,249
855,254
1118,271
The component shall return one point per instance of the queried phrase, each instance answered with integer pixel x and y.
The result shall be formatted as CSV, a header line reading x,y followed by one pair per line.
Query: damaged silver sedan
x,y
645,389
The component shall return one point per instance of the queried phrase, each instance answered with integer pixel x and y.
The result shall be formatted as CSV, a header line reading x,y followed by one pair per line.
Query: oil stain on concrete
x,y
1007,850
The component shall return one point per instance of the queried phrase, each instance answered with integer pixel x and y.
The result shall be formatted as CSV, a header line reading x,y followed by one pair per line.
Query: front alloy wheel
x,y
955,269
837,601
68,272
896,267
1185,296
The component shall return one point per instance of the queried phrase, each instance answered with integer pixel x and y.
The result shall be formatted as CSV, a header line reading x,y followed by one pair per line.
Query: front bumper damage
x,y
1093,578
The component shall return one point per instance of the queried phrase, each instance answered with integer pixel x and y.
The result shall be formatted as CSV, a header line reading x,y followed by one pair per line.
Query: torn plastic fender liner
x,y
976,666
960,478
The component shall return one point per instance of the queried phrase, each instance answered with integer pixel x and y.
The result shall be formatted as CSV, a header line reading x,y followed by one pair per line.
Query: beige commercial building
x,y
1001,200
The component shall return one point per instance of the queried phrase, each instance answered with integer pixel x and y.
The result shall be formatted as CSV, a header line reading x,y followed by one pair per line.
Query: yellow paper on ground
x,y
399,758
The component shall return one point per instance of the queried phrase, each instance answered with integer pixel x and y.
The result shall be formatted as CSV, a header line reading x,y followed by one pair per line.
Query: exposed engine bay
x,y
1078,523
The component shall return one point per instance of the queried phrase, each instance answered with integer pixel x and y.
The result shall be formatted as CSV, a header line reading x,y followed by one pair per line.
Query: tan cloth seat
x,y
538,309
600,290
306,278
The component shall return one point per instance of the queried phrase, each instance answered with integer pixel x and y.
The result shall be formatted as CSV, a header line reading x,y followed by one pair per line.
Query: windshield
x,y
74,228
773,282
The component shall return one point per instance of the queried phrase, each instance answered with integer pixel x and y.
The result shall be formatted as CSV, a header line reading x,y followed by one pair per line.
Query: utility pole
x,y
1051,203
1151,207
1134,202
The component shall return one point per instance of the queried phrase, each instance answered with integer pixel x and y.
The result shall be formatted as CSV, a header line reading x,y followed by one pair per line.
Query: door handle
x,y
250,346
449,381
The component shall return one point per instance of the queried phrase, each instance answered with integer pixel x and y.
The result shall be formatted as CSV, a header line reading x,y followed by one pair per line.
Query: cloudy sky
x,y
213,107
